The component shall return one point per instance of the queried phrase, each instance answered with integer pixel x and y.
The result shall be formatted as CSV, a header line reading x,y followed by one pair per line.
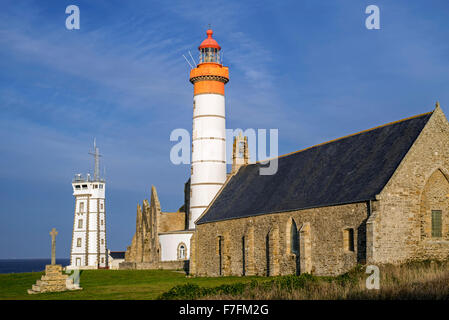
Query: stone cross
x,y
53,234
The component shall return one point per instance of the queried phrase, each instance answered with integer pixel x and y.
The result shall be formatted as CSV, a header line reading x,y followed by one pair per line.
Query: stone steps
x,y
40,282
53,281
36,288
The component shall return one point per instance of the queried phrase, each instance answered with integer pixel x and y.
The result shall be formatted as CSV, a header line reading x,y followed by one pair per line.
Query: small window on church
x,y
84,186
102,260
436,224
101,186
102,222
78,242
191,170
77,186
81,207
102,241
348,239
101,206
80,223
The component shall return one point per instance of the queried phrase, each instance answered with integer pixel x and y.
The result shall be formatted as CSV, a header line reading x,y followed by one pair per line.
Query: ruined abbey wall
x,y
144,251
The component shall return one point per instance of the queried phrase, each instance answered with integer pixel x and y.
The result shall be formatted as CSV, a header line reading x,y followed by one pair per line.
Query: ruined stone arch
x,y
434,197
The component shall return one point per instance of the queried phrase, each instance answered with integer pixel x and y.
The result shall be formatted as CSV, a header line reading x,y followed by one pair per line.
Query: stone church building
x,y
378,196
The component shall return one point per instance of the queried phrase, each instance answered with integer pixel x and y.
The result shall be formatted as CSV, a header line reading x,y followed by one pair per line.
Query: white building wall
x,y
169,245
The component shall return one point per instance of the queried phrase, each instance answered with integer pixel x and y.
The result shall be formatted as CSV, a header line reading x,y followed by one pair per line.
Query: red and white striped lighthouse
x,y
208,171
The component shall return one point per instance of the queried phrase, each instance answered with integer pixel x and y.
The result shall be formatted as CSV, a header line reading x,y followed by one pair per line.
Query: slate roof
x,y
347,170
117,254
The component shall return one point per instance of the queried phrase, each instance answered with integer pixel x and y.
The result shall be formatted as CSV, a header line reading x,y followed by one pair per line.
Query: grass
x,y
415,280
109,284
426,280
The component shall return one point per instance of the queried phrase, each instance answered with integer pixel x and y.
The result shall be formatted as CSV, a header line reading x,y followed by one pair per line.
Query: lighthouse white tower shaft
x,y
208,152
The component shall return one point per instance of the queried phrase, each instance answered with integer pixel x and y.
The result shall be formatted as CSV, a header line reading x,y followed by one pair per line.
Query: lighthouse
x,y
89,249
208,167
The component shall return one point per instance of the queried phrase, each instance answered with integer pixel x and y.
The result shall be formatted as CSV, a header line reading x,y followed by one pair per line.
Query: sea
x,y
27,265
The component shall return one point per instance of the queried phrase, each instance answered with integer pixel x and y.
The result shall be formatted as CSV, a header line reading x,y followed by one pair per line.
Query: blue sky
x,y
309,68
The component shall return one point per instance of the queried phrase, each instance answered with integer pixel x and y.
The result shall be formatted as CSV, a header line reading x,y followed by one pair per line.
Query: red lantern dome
x,y
209,42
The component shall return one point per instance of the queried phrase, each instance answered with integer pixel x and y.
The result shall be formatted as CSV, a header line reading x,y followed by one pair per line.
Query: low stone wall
x,y
164,265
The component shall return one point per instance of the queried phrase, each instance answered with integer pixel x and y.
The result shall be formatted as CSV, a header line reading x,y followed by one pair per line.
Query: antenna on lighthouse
x,y
188,61
97,156
194,62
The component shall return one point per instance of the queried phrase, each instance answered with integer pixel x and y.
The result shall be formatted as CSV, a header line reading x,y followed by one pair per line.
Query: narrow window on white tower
x,y
78,242
191,170
101,206
80,223
102,222
102,241
81,207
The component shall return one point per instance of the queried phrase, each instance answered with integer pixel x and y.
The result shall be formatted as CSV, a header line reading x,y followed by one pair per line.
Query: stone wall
x,y
164,265
400,226
171,221
261,245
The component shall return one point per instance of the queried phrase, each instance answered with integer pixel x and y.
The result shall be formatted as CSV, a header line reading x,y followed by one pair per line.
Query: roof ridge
x,y
344,137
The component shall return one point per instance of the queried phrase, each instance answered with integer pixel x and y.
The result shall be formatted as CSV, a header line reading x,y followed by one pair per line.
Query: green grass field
x,y
414,280
109,284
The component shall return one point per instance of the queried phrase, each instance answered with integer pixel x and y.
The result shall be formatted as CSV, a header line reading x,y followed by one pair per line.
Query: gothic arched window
x,y
294,238
182,251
